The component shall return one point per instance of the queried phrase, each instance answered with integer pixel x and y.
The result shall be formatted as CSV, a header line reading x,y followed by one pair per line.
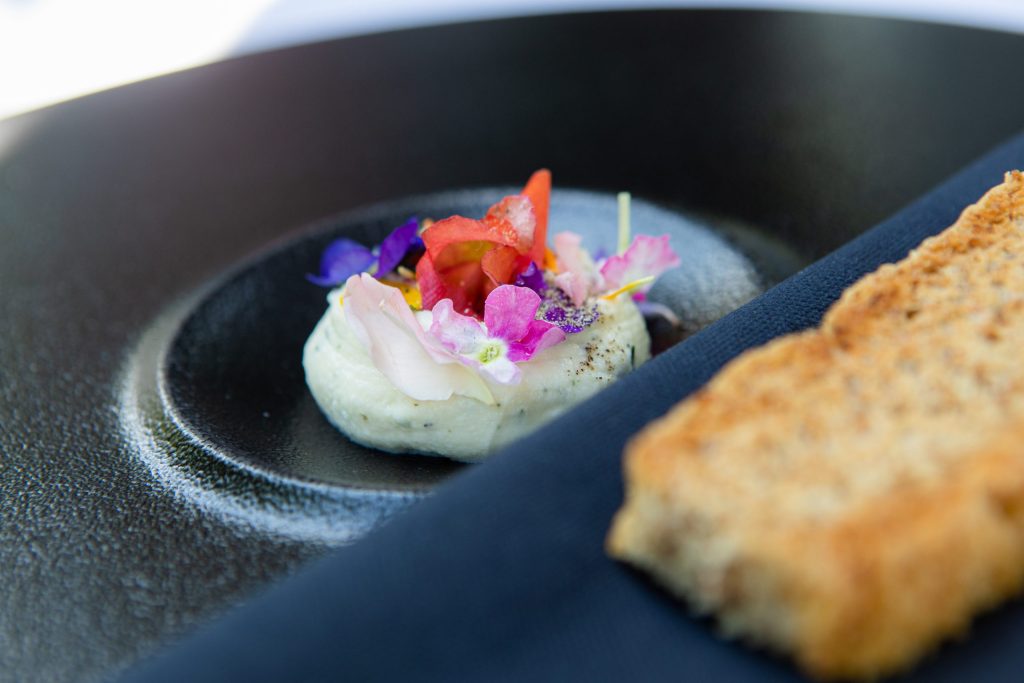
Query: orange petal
x,y
550,261
538,189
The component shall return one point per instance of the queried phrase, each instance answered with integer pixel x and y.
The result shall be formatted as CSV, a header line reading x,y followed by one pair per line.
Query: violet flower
x,y
558,309
396,245
342,259
532,278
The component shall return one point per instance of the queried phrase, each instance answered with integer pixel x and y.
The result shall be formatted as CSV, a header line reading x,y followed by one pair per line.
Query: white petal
x,y
502,370
399,347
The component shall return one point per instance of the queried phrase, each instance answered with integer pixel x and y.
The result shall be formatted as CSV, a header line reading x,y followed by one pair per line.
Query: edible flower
x,y
343,257
467,259
401,241
410,292
415,362
532,278
510,332
538,191
633,269
559,310
487,294
579,276
645,259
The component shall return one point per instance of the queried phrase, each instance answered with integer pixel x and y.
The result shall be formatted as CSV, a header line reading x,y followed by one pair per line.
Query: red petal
x,y
464,283
467,287
466,259
452,268
460,229
432,287
538,189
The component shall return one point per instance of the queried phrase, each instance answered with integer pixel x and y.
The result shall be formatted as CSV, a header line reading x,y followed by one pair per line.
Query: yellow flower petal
x,y
410,292
550,261
628,287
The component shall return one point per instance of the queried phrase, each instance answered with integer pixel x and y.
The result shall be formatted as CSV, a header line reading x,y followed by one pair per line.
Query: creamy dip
x,y
358,399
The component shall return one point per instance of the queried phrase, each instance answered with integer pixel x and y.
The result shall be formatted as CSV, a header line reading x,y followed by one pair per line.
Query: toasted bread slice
x,y
854,494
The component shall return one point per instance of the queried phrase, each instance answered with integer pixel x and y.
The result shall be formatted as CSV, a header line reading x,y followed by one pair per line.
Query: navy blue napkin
x,y
503,575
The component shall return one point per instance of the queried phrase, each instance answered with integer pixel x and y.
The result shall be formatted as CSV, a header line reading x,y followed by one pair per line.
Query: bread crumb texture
x,y
853,494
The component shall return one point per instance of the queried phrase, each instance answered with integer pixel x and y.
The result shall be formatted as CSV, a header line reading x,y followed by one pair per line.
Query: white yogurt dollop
x,y
360,401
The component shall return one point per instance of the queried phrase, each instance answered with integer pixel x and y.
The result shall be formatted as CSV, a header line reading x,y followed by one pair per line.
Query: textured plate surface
x,y
115,206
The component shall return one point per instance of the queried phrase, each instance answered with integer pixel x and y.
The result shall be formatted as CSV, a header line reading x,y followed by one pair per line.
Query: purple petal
x,y
555,314
396,245
538,337
532,278
509,310
342,259
557,308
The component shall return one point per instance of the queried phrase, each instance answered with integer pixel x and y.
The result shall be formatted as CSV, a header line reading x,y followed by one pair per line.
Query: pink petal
x,y
646,257
509,310
540,336
579,277
571,255
458,333
573,285
417,364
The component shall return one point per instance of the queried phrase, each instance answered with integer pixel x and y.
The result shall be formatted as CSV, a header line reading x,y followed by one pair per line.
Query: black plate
x,y
231,380
112,207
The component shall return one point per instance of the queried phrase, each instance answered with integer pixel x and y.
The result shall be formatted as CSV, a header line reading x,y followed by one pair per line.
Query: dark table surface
x,y
115,207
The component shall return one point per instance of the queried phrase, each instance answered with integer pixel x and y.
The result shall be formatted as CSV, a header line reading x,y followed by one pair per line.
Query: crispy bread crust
x,y
854,494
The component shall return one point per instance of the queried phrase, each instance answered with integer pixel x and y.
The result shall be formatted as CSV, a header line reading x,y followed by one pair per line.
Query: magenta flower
x,y
510,314
645,259
509,333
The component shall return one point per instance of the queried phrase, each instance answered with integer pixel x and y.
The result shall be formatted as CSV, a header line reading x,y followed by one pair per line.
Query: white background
x,y
52,50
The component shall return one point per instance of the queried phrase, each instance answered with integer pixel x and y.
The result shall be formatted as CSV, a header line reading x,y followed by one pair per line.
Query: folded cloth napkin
x,y
503,575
